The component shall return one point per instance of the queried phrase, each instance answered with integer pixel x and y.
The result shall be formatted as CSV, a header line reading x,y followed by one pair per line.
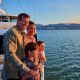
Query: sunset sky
x,y
46,11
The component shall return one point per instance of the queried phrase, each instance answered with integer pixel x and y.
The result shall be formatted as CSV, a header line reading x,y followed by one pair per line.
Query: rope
x,y
34,9
3,3
20,5
4,9
19,2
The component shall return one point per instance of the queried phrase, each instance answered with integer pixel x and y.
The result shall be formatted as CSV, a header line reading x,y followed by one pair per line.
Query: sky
x,y
45,11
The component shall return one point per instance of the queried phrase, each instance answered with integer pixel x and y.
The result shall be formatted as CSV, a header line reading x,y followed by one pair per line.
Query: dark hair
x,y
39,42
31,22
20,16
31,46
35,35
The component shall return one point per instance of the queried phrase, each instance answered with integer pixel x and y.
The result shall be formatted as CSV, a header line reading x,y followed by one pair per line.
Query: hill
x,y
58,27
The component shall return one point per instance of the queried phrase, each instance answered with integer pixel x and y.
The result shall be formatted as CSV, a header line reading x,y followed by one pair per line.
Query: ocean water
x,y
63,54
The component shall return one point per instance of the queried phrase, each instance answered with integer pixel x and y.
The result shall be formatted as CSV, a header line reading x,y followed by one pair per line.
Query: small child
x,y
42,58
31,61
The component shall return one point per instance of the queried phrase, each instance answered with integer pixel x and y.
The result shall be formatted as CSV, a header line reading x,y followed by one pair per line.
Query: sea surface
x,y
63,54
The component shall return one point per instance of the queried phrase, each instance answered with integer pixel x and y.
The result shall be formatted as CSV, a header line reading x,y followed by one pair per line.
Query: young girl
x,y
32,61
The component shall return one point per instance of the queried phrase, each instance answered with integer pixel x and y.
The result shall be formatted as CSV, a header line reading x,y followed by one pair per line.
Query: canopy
x,y
3,12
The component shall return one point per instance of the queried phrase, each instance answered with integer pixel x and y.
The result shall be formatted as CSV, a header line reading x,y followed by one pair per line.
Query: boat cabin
x,y
8,18
6,21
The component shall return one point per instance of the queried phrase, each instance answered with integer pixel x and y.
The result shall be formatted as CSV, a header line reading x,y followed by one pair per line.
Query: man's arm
x,y
11,48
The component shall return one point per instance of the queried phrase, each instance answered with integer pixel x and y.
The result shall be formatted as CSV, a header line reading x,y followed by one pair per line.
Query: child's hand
x,y
32,73
43,59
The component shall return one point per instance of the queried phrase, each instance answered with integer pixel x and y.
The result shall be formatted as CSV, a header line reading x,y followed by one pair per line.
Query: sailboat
x,y
6,21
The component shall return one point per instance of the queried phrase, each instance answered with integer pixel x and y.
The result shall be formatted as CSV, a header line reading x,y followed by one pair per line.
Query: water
x,y
63,54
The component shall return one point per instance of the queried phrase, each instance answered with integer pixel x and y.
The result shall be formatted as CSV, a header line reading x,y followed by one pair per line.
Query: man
x,y
13,45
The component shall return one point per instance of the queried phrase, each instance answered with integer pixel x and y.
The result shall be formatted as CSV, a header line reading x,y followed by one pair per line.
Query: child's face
x,y
42,46
32,53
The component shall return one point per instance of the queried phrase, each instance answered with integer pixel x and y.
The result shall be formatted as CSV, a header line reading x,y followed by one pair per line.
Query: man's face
x,y
24,23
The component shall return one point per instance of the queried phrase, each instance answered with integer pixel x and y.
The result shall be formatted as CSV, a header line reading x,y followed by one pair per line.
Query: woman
x,y
31,33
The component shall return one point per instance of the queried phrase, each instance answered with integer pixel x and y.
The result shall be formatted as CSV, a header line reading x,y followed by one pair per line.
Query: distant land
x,y
58,27
51,27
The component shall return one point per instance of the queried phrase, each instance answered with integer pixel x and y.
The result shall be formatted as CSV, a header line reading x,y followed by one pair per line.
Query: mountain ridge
x,y
61,26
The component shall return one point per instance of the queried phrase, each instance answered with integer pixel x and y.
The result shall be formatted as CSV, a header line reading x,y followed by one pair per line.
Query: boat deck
x,y
1,64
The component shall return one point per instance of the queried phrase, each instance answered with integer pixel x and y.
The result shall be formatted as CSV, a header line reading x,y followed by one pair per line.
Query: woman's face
x,y
31,29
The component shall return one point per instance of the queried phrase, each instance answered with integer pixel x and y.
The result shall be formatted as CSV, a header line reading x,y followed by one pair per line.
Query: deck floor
x,y
0,72
1,64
